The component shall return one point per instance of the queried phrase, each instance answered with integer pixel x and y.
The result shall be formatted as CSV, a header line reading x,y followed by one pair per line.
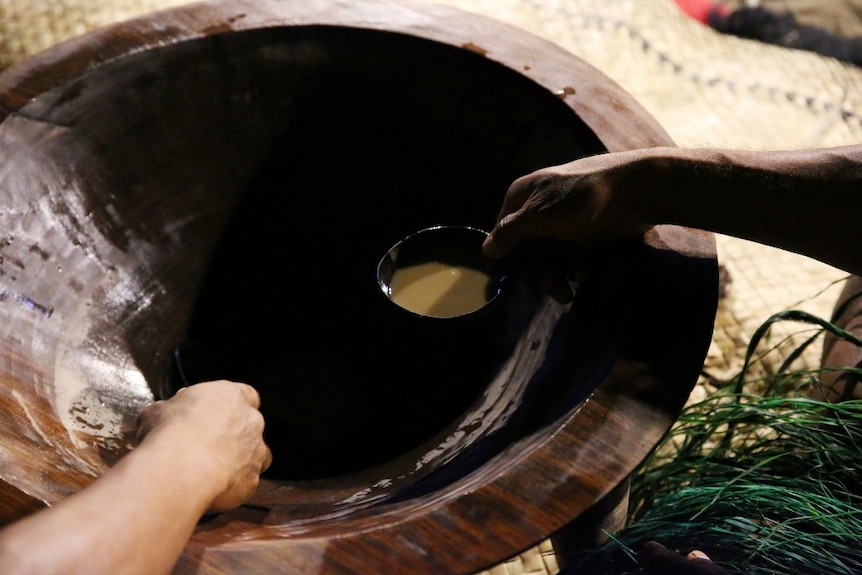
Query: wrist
x,y
184,467
657,171
642,177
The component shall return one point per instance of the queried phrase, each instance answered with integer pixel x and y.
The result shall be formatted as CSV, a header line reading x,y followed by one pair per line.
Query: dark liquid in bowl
x,y
290,303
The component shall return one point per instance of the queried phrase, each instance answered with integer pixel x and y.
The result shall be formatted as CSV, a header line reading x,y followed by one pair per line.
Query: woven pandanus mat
x,y
705,88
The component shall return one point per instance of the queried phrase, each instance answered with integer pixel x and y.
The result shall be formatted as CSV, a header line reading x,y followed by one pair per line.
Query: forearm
x,y
135,520
809,202
200,451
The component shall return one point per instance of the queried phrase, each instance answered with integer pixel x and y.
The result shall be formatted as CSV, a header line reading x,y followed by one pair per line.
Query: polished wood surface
x,y
127,155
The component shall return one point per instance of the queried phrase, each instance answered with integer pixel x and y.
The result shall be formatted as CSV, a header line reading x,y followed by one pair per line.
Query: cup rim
x,y
389,257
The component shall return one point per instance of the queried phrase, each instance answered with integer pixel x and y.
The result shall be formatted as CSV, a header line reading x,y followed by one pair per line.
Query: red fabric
x,y
701,9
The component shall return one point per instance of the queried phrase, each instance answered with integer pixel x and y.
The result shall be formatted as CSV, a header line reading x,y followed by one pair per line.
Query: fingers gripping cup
x,y
441,272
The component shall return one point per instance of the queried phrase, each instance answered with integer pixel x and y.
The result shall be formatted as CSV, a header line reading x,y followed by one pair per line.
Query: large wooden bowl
x,y
205,192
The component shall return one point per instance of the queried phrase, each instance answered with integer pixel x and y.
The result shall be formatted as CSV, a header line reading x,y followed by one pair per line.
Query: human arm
x,y
805,201
201,451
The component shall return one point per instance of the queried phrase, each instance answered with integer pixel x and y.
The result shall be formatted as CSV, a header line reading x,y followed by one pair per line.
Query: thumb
x,y
508,234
